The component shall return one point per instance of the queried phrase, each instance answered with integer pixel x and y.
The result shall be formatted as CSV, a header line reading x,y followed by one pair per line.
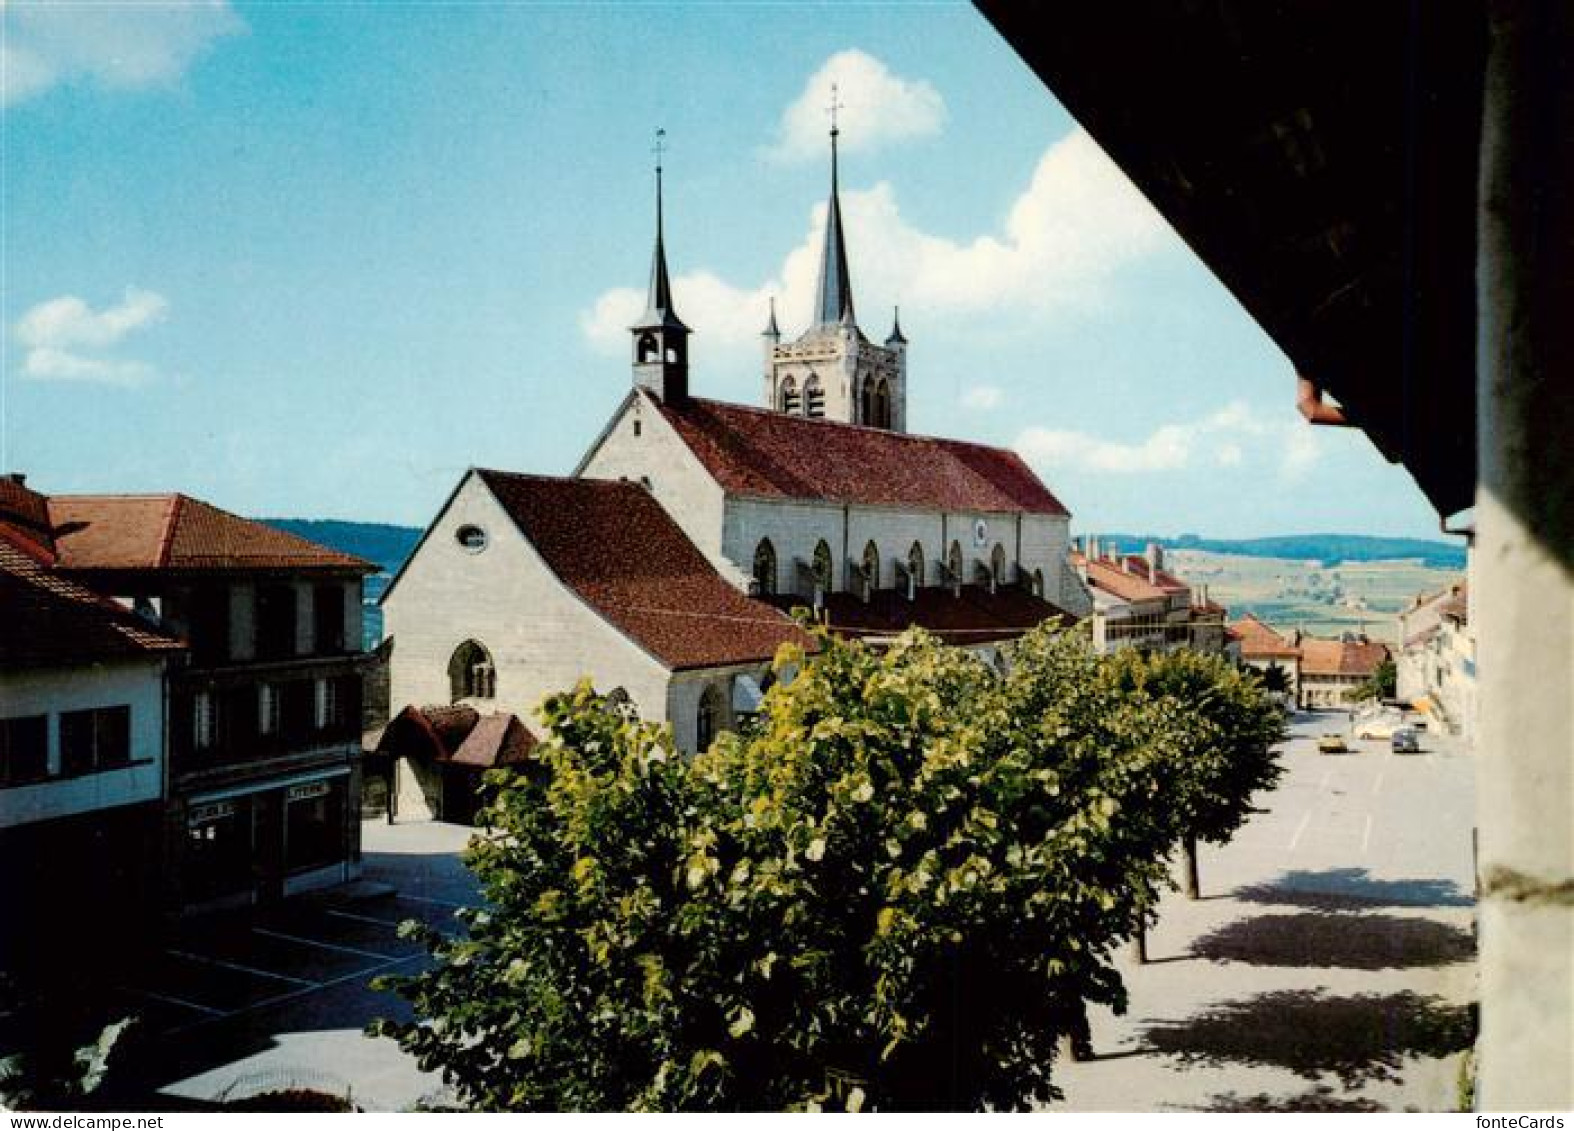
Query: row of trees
x,y
897,888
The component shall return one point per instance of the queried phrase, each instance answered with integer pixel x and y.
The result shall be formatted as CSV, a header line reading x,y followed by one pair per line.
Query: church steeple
x,y
833,300
661,349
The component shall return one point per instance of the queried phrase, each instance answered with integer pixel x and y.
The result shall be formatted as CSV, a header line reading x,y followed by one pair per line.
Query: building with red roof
x,y
260,720
82,753
1436,664
1138,603
667,565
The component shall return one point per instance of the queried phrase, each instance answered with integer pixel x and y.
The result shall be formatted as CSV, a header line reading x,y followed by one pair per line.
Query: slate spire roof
x,y
659,311
833,298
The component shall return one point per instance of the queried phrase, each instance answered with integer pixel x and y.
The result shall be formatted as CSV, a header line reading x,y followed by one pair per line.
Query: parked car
x,y
1380,723
1405,741
1332,744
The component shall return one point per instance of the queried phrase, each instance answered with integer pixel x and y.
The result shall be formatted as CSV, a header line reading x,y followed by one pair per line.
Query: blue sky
x,y
316,259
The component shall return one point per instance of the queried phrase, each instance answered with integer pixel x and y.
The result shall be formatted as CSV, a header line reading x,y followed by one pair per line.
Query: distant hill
x,y
1329,549
389,545
378,542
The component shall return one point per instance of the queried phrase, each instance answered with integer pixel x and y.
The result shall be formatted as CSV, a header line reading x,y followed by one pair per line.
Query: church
x,y
665,567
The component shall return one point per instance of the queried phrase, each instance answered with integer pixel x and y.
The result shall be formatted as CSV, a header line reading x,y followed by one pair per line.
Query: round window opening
x,y
472,538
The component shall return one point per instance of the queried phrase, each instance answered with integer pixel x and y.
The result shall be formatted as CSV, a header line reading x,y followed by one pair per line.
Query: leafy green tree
x,y
1384,683
1275,679
898,889
1214,721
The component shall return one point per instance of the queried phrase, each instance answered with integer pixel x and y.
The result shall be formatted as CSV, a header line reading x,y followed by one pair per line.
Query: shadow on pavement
x,y
1320,1098
1360,1038
1352,889
1323,939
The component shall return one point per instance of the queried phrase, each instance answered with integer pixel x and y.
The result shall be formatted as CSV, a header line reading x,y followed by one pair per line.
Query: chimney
x,y
18,478
1155,559
1125,564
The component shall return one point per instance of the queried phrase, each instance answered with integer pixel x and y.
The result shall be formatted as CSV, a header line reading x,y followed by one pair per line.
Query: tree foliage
x,y
1275,678
1384,683
896,889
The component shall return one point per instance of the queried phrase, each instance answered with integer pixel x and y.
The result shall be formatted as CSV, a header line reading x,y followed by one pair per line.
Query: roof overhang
x,y
1320,156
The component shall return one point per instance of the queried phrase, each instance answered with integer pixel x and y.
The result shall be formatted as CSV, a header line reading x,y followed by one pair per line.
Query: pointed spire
x,y
771,329
658,303
894,338
833,300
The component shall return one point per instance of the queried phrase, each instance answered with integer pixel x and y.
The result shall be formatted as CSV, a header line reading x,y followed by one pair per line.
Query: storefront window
x,y
314,830
218,849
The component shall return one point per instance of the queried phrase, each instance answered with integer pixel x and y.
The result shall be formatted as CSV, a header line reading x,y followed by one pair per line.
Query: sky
x,y
316,259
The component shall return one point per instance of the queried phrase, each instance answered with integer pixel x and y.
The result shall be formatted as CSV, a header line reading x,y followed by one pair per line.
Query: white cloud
x,y
68,321
981,397
1230,437
1076,224
46,364
118,45
877,108
55,331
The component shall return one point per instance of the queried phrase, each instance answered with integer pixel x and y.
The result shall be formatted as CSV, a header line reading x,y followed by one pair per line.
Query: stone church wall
x,y
678,480
541,637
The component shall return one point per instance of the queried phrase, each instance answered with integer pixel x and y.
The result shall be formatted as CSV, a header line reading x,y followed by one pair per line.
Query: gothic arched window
x,y
997,564
470,673
765,567
1038,583
787,400
954,563
822,566
866,401
915,564
707,718
813,397
649,349
872,566
882,405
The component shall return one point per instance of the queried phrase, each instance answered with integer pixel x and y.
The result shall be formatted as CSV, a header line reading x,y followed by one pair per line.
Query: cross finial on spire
x,y
658,149
836,104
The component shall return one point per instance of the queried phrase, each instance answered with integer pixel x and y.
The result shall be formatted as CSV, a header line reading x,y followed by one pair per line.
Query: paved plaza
x,y
1329,964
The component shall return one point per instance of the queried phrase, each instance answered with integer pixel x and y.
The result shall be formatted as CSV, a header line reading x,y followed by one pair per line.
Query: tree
x,y
1213,720
1383,684
896,890
1275,679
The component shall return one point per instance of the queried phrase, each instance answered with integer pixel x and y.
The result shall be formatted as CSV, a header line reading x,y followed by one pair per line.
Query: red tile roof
x,y
175,532
613,545
457,734
47,619
24,515
1356,659
757,452
1259,641
976,616
1106,574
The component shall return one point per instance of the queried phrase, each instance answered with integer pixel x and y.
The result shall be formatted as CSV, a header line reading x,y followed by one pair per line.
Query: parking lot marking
x,y
209,961
313,988
318,943
1377,783
1366,837
429,899
1306,819
363,919
182,1002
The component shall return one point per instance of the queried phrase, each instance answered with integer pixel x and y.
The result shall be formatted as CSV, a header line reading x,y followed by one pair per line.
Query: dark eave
x,y
1320,157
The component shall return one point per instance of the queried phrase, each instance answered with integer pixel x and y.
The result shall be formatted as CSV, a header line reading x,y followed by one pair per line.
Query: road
x,y
1331,963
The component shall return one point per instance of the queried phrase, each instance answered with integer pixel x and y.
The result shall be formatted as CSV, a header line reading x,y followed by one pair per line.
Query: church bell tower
x,y
832,371
661,340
